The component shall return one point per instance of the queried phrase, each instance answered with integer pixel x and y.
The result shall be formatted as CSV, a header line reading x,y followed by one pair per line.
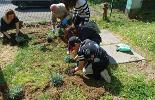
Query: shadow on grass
x,y
114,87
147,16
3,86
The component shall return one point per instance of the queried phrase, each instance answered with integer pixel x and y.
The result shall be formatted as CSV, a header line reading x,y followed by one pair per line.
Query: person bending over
x,y
81,11
59,11
9,21
90,57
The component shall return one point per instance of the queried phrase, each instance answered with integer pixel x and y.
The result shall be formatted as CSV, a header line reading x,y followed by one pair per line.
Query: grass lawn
x,y
140,32
31,69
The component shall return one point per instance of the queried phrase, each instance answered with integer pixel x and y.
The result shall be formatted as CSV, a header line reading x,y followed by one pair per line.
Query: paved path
x,y
27,15
110,42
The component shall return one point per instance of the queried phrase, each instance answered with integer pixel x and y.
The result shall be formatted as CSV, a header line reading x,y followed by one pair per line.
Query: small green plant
x,y
60,32
69,59
50,37
15,92
42,47
20,39
57,79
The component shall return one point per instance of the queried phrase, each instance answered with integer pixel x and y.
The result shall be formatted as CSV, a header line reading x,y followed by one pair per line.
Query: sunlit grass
x,y
32,65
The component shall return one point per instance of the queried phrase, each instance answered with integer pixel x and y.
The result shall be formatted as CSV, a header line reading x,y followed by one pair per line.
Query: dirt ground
x,y
7,55
93,89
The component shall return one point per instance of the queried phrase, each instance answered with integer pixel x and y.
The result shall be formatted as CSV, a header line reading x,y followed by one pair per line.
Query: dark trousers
x,y
77,20
98,67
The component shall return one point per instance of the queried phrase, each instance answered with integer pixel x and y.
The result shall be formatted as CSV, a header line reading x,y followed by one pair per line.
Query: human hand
x,y
71,72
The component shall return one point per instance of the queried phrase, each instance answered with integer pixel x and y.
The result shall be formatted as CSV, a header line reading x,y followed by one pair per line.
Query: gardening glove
x,y
71,72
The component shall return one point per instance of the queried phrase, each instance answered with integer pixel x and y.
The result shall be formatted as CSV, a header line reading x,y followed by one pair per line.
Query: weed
x,y
42,47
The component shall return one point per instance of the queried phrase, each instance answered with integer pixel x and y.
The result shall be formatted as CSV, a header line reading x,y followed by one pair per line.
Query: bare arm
x,y
76,57
53,21
81,66
17,28
74,54
8,36
53,25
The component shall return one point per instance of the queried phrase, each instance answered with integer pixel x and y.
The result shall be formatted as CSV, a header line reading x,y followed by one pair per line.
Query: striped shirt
x,y
82,9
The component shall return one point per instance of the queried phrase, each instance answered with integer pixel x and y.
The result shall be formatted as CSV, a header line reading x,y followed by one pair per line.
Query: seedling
x,y
50,37
15,93
42,48
61,32
57,79
69,59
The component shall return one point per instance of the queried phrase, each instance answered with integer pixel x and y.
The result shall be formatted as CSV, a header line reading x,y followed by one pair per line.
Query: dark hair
x,y
72,40
70,4
9,12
